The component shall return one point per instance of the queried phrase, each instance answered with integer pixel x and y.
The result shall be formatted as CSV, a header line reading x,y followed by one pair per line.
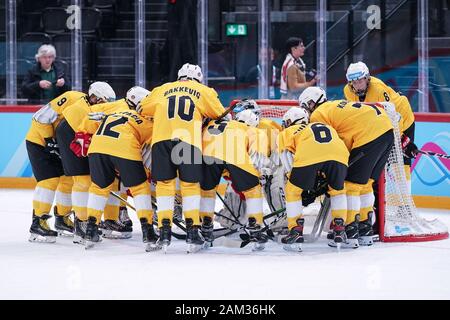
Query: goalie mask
x,y
311,98
191,72
135,95
295,115
102,91
247,104
248,117
358,77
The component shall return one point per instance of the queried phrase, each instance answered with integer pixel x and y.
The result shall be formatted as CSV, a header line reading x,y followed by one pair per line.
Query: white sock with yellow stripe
x,y
44,194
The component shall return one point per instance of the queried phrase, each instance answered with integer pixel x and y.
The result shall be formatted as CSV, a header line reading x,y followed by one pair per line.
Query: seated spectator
x,y
47,79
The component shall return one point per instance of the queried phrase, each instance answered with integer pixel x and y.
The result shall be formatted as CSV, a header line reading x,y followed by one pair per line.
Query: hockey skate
x,y
165,235
256,236
293,241
80,231
338,236
149,236
112,229
40,231
124,218
366,231
92,233
207,231
63,224
194,239
351,241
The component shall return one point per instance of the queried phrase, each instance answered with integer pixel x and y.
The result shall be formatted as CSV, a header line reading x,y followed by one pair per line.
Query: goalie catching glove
x,y
80,144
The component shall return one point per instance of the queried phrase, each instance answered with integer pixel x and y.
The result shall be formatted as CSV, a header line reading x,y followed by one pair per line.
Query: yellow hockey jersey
x,y
46,119
122,135
378,91
178,108
83,123
235,143
313,143
355,122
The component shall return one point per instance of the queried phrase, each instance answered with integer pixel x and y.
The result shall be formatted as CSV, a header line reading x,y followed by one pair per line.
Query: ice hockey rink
x,y
121,269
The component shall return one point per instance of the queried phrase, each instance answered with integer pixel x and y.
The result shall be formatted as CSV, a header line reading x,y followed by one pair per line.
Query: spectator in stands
x,y
293,72
47,79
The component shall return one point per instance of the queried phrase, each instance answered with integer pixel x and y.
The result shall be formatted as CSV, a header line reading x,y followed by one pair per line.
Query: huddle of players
x,y
178,131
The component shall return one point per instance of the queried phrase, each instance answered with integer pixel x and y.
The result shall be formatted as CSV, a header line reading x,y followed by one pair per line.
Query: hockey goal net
x,y
398,218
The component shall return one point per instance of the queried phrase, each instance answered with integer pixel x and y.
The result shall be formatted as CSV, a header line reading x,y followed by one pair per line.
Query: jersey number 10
x,y
185,107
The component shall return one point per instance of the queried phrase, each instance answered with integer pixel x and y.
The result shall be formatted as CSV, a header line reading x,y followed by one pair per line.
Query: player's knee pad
x,y
165,188
292,192
65,184
81,183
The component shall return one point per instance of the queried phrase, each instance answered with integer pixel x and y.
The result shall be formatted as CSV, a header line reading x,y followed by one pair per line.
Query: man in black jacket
x,y
47,79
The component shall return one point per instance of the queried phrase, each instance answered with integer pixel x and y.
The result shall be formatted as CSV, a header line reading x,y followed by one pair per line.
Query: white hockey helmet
x,y
247,104
316,95
356,71
295,115
190,71
135,95
102,91
248,117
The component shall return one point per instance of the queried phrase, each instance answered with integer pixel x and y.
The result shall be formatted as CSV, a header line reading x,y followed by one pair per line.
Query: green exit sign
x,y
236,29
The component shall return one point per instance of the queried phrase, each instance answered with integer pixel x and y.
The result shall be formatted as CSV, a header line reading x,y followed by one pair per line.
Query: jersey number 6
x,y
322,134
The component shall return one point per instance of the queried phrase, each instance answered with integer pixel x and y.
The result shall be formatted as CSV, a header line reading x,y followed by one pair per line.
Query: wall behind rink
x,y
430,176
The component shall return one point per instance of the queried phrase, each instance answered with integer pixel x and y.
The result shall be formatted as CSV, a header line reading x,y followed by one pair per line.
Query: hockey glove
x,y
96,116
51,146
410,150
308,197
80,144
241,195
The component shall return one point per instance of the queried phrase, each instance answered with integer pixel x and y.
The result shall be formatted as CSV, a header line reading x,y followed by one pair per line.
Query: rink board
x,y
430,176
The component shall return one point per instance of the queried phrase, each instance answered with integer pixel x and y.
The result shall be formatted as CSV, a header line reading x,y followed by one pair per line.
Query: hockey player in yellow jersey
x,y
178,109
43,153
272,180
363,87
368,134
112,227
238,149
76,166
307,151
117,146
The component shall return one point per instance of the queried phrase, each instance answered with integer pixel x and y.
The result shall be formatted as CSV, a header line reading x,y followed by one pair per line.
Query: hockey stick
x,y
155,223
434,154
115,195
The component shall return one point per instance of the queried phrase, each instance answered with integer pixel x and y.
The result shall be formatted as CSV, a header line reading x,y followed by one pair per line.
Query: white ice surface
x,y
121,269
